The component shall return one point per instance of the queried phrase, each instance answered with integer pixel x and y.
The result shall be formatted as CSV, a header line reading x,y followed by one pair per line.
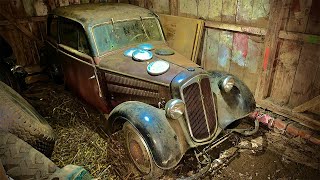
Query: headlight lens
x,y
227,84
174,108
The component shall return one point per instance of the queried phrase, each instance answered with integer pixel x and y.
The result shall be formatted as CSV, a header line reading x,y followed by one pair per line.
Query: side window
x,y
68,34
72,35
83,43
53,27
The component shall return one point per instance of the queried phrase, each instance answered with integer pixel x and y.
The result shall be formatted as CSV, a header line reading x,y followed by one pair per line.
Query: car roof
x,y
94,13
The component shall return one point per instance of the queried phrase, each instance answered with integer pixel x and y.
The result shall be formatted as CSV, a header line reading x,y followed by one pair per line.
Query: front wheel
x,y
140,153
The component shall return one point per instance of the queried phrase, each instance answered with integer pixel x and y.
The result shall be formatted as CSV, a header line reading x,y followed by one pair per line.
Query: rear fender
x,y
154,127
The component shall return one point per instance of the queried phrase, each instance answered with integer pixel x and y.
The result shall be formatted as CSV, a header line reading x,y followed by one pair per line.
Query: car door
x,y
78,66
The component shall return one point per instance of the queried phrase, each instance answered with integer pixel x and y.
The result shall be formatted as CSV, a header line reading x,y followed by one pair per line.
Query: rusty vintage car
x,y
115,57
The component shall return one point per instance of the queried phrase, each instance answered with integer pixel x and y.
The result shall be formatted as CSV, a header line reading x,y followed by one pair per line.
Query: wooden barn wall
x,y
234,52
296,78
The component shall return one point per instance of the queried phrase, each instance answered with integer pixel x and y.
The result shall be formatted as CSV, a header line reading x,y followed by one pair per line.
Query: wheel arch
x,y
154,127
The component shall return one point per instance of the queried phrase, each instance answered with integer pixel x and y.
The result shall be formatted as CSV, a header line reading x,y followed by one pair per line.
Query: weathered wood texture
x,y
23,35
294,80
183,34
245,12
236,53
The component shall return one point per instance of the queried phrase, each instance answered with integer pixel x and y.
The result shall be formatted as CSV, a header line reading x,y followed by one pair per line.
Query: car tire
x,y
8,78
140,153
18,117
21,161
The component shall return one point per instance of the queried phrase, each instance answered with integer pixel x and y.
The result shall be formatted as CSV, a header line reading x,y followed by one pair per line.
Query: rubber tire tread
x,y
21,161
18,117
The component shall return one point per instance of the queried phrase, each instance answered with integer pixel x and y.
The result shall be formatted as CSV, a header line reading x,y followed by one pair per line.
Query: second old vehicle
x,y
115,57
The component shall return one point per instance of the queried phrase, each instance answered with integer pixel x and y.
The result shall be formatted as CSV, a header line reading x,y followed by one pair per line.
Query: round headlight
x,y
227,84
174,108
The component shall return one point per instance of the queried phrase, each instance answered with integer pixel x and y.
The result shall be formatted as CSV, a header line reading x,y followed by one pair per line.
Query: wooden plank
x,y
313,26
229,11
23,21
174,7
225,53
40,8
298,15
305,75
253,61
260,13
182,34
19,26
309,38
63,3
211,49
203,9
307,105
287,62
159,6
244,12
278,13
188,8
305,119
239,54
236,28
17,9
215,7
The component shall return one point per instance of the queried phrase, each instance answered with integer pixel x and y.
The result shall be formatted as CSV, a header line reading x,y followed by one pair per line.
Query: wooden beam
x,y
22,21
278,12
236,28
309,120
309,38
174,7
307,105
23,29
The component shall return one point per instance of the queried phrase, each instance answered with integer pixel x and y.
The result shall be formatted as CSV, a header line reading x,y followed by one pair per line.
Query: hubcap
x,y
138,152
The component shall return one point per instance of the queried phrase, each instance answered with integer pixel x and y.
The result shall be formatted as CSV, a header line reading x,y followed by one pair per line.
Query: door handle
x,y
92,77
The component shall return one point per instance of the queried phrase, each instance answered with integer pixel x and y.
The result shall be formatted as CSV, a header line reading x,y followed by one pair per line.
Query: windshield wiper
x,y
144,29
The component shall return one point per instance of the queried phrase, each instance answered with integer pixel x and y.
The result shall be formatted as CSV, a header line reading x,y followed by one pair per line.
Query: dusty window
x,y
68,34
72,35
114,36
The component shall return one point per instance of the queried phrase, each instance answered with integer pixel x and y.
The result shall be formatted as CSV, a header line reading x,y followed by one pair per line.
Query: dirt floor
x,y
80,141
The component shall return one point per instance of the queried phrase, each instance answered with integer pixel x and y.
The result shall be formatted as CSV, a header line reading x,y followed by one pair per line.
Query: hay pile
x,y
80,140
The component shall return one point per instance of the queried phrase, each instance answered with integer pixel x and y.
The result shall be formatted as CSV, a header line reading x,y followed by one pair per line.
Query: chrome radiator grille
x,y
200,108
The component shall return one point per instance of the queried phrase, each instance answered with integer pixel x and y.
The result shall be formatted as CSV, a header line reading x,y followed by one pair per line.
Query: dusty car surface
x,y
116,58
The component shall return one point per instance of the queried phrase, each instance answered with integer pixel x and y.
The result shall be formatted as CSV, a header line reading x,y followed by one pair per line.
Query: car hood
x,y
118,63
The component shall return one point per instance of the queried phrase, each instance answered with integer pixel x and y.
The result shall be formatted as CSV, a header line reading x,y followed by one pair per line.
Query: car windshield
x,y
116,35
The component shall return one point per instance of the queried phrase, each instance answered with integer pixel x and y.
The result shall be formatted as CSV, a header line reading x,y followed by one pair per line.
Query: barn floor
x,y
80,141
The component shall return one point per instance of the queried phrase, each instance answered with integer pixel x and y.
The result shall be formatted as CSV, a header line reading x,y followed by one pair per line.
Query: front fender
x,y
233,105
154,127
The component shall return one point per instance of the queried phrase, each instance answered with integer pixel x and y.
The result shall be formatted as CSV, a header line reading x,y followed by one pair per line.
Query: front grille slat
x,y
200,108
209,105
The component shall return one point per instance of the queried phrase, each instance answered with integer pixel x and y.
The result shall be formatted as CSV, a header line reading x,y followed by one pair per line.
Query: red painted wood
x,y
265,59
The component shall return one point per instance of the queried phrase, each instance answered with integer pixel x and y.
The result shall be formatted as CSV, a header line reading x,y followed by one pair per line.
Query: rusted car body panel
x,y
118,85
